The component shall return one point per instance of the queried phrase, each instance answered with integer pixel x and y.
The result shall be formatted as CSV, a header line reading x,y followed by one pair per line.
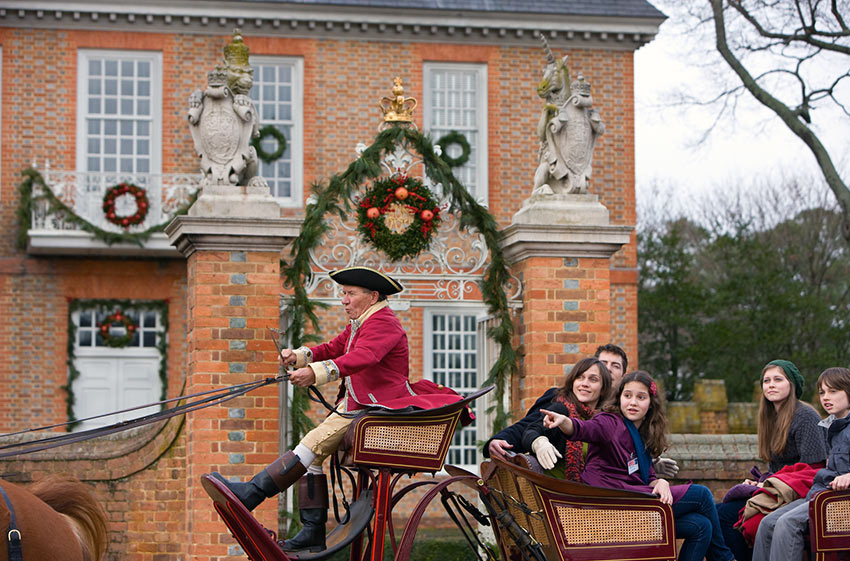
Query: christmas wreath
x,y
398,215
125,189
447,140
269,130
106,329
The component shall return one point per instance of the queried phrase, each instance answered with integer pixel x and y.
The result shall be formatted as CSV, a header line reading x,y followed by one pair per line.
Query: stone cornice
x,y
293,20
522,241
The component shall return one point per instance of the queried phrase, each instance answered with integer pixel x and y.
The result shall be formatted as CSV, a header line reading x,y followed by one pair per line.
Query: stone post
x,y
710,396
233,296
561,247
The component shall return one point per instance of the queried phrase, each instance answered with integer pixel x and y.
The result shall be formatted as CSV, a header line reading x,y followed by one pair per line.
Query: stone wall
x,y
711,413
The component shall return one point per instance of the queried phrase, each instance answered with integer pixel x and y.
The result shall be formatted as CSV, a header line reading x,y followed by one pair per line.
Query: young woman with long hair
x,y
621,444
788,433
584,389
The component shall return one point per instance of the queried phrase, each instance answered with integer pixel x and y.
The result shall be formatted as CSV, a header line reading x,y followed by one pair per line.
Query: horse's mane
x,y
74,499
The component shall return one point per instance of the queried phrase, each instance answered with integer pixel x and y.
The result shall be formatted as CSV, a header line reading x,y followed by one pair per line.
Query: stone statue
x,y
567,130
223,121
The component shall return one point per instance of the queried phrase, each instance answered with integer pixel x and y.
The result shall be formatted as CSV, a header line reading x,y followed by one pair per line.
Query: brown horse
x,y
59,519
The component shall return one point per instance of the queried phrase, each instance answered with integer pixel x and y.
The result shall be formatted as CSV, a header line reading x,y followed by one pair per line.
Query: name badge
x,y
633,465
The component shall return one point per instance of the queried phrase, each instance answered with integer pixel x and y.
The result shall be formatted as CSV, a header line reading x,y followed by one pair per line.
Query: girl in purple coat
x,y
621,444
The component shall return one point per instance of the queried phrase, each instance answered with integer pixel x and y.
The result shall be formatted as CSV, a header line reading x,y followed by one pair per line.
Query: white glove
x,y
666,468
546,452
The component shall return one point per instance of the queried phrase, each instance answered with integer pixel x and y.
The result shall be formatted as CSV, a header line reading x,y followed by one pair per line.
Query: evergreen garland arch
x,y
335,198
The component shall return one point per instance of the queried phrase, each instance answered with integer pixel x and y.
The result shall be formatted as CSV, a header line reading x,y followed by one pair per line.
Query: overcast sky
x,y
755,143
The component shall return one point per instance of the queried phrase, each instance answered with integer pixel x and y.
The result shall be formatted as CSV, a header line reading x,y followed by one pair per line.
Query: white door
x,y
108,384
113,379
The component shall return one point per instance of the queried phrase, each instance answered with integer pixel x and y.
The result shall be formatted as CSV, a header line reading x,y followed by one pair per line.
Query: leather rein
x,y
205,399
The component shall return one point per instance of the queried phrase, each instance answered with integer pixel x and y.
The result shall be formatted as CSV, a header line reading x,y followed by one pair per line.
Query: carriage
x,y
533,517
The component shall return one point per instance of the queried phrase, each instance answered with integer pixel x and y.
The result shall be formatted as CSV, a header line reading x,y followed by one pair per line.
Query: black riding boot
x,y
313,502
275,478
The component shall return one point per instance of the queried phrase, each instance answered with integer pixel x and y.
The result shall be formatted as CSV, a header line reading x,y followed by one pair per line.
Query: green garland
x,y
159,306
417,198
335,199
454,137
54,205
269,130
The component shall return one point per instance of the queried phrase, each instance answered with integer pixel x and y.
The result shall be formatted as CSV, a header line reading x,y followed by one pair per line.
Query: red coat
x,y
375,370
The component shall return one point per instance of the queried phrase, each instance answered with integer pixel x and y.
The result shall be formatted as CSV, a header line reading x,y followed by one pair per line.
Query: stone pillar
x,y
234,290
560,247
710,396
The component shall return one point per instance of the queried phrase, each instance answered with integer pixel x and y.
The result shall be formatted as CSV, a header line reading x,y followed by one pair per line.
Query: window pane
x,y
118,84
455,366
272,93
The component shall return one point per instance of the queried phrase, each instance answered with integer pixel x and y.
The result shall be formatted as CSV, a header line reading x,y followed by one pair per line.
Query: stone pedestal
x,y
560,247
233,296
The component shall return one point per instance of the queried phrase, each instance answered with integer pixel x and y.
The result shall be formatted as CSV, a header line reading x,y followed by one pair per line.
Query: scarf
x,y
642,455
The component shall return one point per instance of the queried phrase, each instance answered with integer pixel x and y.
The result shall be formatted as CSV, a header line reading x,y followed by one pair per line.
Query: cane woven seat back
x,y
829,525
416,440
578,522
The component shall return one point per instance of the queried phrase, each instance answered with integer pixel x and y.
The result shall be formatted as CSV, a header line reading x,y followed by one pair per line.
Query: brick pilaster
x,y
566,281
233,286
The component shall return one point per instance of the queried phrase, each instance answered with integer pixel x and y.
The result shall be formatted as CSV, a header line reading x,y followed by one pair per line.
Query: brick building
x,y
93,95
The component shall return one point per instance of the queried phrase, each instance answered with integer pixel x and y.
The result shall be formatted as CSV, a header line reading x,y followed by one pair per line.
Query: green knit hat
x,y
793,374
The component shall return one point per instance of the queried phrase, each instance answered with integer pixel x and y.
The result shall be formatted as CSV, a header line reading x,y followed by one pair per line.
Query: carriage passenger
x,y
621,442
584,389
509,439
370,358
780,535
788,433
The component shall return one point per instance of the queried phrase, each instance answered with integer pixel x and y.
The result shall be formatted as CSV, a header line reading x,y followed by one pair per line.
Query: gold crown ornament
x,y
398,109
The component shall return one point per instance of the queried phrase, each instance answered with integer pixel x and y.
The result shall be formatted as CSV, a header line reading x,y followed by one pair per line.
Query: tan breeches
x,y
326,438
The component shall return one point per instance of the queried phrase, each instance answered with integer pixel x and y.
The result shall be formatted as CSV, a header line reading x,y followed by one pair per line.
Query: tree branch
x,y
790,117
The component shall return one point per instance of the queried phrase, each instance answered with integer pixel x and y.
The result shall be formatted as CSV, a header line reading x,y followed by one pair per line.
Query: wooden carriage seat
x,y
572,521
829,525
407,440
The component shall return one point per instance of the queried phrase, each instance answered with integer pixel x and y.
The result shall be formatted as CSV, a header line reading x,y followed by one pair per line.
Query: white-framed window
x,y
115,378
119,112
455,99
278,96
451,358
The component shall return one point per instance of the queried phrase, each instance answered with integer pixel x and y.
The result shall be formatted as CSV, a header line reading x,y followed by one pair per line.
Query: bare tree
x,y
792,35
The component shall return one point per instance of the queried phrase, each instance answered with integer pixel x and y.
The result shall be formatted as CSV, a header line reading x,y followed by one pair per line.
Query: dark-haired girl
x,y
585,387
621,444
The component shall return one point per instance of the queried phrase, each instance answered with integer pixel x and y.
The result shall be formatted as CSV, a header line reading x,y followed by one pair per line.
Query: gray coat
x,y
838,460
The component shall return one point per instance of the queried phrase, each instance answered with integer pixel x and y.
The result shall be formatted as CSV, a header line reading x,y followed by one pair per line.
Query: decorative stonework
x,y
223,121
568,130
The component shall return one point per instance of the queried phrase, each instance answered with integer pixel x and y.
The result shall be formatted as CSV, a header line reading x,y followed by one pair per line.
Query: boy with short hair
x,y
780,534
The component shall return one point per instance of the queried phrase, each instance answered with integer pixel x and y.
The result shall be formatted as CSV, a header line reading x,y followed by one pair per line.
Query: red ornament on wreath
x,y
112,320
392,216
119,192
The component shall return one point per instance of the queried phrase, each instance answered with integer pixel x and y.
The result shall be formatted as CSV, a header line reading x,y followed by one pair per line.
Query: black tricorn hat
x,y
367,278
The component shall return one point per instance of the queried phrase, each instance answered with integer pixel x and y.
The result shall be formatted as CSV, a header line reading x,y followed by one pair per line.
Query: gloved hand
x,y
546,452
665,468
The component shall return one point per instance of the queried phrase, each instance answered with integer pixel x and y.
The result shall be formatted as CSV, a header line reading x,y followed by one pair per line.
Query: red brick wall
x,y
343,80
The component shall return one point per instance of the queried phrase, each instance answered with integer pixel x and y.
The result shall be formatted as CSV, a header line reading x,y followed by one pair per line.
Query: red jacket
x,y
375,370
797,476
